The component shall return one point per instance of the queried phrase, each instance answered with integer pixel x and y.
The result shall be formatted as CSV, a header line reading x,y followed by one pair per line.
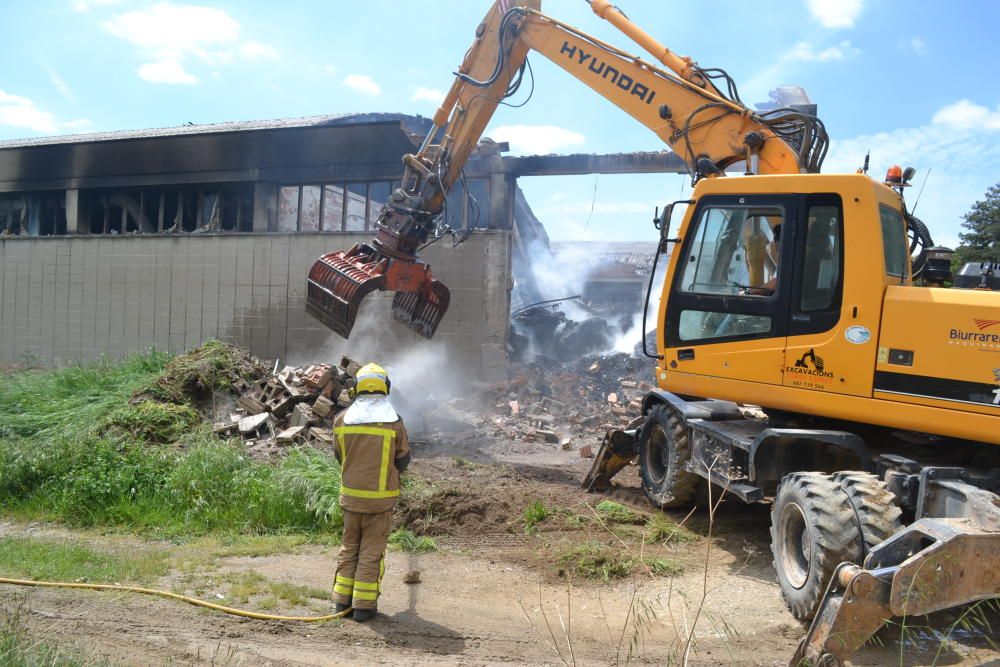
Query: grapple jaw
x,y
422,311
339,281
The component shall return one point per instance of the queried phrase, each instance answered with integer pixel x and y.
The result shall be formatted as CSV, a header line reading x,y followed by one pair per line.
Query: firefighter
x,y
373,450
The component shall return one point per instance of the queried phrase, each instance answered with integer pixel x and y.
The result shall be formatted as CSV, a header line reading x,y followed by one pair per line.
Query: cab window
x,y
734,252
893,241
821,266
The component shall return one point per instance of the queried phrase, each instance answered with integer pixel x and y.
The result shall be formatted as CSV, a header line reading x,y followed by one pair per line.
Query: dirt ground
x,y
491,594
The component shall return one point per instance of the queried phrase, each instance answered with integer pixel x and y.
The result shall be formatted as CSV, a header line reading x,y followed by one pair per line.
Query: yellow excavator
x,y
795,291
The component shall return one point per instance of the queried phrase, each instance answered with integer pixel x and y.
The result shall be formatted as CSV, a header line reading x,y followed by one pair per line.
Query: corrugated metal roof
x,y
415,124
638,253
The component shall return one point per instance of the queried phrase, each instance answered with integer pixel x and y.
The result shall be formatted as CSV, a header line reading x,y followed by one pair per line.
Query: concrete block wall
x,y
67,299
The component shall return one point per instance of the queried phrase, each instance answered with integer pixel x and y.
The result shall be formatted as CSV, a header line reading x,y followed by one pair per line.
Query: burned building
x,y
618,274
121,241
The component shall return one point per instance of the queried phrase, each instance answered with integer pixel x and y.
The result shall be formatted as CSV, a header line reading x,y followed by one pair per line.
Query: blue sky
x,y
914,82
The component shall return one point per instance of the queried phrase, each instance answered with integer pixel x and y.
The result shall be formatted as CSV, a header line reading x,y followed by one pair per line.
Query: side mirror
x,y
668,212
664,221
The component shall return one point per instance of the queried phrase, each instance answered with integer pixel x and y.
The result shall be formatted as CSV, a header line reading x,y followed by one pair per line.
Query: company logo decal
x,y
810,369
857,335
606,71
979,337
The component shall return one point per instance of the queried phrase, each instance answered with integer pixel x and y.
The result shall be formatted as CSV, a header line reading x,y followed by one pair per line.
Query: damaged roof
x,y
638,254
413,124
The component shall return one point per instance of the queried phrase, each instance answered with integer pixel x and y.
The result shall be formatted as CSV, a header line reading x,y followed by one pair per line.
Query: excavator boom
x,y
678,102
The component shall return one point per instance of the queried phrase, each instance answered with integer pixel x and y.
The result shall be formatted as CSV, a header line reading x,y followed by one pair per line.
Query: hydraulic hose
x,y
176,596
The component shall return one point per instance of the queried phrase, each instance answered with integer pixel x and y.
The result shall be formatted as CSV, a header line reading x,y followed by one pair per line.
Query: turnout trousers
x,y
362,559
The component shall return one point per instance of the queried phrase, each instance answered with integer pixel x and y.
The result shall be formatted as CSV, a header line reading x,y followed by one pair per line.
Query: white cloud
x,y
255,51
966,115
168,71
425,94
537,139
167,35
960,148
363,84
781,69
87,5
330,69
804,52
176,28
76,124
60,84
20,112
836,13
918,45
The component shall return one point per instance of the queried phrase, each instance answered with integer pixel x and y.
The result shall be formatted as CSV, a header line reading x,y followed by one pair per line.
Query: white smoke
x,y
421,371
632,337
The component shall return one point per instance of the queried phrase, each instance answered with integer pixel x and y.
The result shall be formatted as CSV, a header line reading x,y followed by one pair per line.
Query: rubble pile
x,y
563,403
293,406
547,334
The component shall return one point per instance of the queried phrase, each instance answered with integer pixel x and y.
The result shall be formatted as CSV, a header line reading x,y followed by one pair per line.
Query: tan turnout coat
x,y
367,455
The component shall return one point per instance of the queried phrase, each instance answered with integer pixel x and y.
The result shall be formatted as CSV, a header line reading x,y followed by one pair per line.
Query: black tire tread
x,y
834,532
679,484
874,504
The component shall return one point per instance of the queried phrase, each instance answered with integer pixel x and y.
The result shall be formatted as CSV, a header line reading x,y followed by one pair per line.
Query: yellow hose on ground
x,y
176,596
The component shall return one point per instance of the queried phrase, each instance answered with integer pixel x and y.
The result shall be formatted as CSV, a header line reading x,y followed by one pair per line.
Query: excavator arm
x,y
675,99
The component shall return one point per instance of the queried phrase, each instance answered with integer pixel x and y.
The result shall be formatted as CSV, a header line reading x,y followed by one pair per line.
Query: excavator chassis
x,y
949,556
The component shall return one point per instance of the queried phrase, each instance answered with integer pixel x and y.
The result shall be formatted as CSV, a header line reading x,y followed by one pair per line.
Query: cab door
x,y
727,315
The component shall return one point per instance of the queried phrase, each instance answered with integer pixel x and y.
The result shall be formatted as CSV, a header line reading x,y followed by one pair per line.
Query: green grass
x,y
69,402
662,529
663,567
407,540
73,449
18,648
534,514
593,560
72,560
241,587
616,513
152,422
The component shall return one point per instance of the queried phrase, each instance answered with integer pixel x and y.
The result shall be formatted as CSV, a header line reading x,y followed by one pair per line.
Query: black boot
x,y
337,608
363,615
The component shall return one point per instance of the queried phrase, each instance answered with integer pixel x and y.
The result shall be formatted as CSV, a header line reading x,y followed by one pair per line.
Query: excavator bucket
x,y
339,282
616,452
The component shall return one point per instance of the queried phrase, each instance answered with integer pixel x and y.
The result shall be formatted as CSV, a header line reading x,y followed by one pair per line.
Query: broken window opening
x,y
333,208
309,205
356,213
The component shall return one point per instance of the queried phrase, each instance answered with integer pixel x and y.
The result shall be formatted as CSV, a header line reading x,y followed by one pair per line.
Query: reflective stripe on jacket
x,y
367,455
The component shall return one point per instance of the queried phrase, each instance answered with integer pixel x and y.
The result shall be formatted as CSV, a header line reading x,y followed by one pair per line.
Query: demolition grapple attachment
x,y
339,281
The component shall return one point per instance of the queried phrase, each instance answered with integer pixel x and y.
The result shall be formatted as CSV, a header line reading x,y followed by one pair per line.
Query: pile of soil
x,y
195,376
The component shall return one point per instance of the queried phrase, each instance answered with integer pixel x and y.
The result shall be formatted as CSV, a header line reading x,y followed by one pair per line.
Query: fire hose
x,y
176,596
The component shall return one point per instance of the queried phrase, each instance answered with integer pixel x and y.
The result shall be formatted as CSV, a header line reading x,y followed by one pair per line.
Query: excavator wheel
x,y
664,450
875,508
813,530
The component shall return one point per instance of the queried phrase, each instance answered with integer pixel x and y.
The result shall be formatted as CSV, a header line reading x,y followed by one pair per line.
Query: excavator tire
x,y
664,449
813,530
875,509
